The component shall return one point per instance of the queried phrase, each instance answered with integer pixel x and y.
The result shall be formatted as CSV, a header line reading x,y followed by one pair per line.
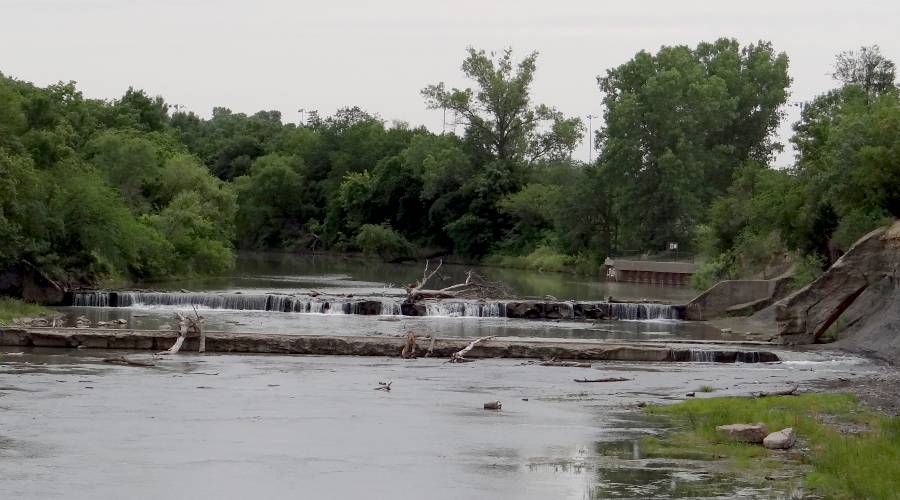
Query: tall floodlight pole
x,y
301,111
590,136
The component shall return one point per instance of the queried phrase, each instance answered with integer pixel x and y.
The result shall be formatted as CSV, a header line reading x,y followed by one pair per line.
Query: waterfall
x,y
747,357
701,356
241,302
390,307
91,299
466,309
641,311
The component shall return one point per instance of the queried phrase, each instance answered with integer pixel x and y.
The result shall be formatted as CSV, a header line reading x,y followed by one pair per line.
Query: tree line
x,y
125,189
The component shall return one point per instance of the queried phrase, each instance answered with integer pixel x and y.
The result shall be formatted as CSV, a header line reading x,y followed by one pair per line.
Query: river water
x,y
281,275
239,426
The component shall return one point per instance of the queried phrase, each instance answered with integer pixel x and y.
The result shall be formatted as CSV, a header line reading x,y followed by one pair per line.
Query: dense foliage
x,y
93,189
845,182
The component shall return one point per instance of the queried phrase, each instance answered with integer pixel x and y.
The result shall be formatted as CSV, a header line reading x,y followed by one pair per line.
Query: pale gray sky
x,y
284,55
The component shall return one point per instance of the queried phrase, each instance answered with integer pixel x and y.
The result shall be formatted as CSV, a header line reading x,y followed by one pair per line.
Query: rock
x,y
122,321
745,433
40,322
781,440
367,307
807,313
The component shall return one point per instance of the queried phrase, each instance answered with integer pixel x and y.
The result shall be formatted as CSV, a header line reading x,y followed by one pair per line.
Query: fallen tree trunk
x,y
122,360
474,287
610,379
186,326
460,355
787,392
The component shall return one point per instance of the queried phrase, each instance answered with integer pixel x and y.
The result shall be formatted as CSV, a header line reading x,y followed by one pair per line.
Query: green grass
x,y
546,259
11,309
706,388
865,464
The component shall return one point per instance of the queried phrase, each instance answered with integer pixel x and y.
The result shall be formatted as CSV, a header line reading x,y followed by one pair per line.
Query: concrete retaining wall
x,y
726,294
367,346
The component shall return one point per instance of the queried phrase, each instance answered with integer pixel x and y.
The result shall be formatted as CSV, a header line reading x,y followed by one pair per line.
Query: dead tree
x,y
474,287
460,355
188,326
409,347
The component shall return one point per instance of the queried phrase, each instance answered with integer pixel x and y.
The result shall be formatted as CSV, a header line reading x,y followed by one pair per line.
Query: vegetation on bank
x,y
125,189
12,309
853,453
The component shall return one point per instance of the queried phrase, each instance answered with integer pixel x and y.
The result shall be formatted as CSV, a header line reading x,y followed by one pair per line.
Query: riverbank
x,y
844,449
13,309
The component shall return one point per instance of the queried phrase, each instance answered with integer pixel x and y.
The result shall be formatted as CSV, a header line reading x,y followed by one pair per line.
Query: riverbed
x,y
242,426
272,426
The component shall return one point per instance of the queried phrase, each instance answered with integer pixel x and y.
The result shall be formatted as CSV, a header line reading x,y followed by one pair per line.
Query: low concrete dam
x,y
98,338
388,306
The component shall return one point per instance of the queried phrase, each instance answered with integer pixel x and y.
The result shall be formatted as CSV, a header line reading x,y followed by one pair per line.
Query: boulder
x,y
807,313
745,433
780,440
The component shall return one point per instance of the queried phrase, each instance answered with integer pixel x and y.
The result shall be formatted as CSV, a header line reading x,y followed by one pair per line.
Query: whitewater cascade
x,y
388,306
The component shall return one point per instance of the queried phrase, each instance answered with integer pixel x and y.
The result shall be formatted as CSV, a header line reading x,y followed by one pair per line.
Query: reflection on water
x,y
290,273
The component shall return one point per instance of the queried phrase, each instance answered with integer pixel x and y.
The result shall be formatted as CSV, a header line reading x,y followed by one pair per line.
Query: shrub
x,y
383,241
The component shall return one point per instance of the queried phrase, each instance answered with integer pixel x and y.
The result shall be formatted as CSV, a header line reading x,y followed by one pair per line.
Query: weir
x,y
380,305
100,338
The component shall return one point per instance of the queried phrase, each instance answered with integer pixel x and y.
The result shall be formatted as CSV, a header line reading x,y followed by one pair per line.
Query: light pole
x,y
591,136
301,111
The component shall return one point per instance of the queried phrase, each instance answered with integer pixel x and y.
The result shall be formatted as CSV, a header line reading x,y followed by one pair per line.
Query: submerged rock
x,y
745,433
780,440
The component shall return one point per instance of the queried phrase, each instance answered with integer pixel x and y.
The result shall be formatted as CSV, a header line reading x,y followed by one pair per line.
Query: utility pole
x,y
591,136
301,111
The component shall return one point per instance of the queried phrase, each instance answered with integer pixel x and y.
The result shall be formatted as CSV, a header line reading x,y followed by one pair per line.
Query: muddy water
x,y
287,274
235,427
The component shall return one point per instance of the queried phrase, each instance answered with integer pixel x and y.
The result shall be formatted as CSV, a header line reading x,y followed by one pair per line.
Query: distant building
x,y
649,271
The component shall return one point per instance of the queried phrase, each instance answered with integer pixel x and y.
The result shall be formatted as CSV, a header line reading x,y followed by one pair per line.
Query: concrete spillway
x,y
375,346
527,309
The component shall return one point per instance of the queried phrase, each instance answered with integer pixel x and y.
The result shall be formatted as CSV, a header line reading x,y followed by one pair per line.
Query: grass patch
x,y
11,309
863,464
546,259
706,388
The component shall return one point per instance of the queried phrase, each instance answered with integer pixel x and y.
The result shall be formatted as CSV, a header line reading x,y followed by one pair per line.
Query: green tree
x,y
867,68
500,118
678,124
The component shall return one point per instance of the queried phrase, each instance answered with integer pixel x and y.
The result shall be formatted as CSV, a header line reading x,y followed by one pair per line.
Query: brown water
x,y
291,274
285,427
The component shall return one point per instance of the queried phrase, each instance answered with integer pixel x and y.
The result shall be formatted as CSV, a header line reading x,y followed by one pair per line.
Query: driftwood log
x,y
187,326
409,348
474,287
460,355
787,392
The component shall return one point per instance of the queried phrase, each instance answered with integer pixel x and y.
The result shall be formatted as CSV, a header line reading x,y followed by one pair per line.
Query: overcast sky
x,y
284,55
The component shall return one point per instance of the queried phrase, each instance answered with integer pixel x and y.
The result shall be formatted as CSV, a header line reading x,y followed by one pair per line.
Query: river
x,y
258,275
